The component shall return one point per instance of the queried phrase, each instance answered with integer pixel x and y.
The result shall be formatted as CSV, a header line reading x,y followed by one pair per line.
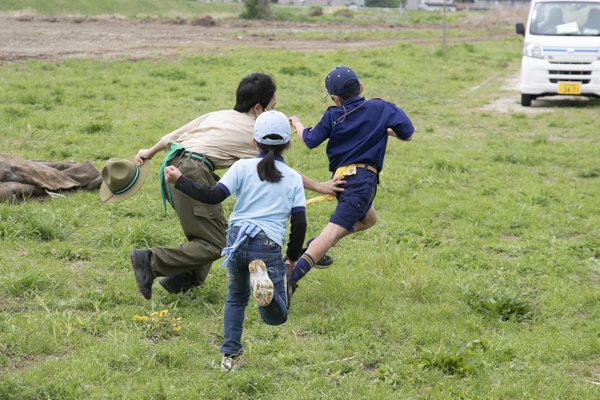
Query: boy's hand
x,y
296,124
293,121
172,174
298,127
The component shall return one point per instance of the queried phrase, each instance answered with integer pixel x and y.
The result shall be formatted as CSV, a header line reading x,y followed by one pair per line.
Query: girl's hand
x,y
289,263
172,174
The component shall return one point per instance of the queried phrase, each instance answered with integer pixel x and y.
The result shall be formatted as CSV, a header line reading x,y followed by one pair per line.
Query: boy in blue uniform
x,y
358,131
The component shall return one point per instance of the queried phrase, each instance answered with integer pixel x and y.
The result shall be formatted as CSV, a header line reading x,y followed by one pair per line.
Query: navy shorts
x,y
355,201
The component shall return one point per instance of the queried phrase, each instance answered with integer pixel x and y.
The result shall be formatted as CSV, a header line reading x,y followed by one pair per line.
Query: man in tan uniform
x,y
212,141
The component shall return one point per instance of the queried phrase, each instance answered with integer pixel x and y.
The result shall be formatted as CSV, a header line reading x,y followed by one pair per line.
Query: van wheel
x,y
526,100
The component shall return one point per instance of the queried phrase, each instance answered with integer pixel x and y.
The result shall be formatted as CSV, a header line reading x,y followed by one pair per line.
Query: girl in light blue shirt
x,y
268,194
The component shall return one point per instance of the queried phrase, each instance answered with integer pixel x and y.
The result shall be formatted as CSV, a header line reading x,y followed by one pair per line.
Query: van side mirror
x,y
520,28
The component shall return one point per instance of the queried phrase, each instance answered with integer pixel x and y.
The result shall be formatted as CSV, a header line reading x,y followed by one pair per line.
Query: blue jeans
x,y
258,248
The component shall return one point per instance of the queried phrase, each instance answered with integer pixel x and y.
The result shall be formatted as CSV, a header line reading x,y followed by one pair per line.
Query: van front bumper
x,y
540,77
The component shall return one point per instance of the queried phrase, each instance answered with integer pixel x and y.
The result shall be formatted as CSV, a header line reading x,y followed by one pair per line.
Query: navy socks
x,y
304,264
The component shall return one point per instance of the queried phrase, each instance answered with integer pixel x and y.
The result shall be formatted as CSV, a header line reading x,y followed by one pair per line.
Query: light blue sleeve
x,y
299,196
232,178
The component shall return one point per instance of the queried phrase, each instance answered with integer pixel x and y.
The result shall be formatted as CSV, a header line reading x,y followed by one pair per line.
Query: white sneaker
x,y
262,287
230,363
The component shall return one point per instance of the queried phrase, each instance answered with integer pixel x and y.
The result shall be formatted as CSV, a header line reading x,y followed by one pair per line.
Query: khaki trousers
x,y
204,226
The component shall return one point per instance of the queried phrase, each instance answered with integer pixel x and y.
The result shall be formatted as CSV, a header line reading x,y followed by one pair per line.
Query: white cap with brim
x,y
272,128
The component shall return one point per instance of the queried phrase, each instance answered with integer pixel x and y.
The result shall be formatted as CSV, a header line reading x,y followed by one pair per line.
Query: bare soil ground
x,y
510,100
25,36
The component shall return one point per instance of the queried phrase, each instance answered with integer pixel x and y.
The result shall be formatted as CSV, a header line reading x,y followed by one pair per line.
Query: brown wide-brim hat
x,y
121,179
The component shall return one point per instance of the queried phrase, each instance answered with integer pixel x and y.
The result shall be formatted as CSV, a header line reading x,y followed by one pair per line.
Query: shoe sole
x,y
319,265
139,277
262,287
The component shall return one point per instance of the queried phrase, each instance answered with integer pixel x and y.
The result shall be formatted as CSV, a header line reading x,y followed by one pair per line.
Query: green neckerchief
x,y
165,188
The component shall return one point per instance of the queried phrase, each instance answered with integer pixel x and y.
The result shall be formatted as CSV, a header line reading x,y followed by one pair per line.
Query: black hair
x,y
256,88
349,95
267,171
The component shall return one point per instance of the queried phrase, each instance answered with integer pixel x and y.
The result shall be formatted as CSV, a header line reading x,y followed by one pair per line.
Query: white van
x,y
561,53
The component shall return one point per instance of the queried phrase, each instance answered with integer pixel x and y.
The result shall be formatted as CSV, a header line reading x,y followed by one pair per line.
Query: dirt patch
x,y
204,21
24,37
510,102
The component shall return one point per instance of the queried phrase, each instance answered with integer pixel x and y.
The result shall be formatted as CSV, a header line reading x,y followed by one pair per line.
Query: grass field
x,y
189,9
127,8
480,280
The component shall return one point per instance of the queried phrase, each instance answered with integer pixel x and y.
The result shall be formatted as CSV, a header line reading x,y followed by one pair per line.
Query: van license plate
x,y
569,88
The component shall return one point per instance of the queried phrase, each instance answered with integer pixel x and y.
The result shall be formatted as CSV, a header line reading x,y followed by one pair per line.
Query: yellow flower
x,y
163,313
154,313
176,328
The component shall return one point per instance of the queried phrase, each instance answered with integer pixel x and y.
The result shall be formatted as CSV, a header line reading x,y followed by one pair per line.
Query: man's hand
x,y
143,154
331,187
172,174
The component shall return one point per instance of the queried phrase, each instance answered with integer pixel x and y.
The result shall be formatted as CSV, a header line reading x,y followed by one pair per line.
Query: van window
x,y
565,18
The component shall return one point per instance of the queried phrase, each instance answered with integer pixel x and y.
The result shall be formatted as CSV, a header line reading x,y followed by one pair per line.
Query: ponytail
x,y
267,171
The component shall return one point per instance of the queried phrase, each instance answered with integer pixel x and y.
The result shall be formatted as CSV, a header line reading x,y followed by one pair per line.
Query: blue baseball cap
x,y
272,123
336,80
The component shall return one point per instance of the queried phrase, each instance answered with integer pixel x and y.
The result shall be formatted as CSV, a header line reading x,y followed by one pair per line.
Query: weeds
x,y
506,306
25,280
452,357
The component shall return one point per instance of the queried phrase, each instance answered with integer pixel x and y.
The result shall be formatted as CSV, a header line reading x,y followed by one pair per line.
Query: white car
x,y
561,51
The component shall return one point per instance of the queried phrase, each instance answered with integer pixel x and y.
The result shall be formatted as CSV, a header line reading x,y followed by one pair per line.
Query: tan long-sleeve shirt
x,y
222,136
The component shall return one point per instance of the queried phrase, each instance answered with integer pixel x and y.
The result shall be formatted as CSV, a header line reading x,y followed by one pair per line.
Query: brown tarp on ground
x,y
31,178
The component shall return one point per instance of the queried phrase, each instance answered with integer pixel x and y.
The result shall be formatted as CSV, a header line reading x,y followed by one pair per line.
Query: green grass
x,y
190,9
128,8
479,281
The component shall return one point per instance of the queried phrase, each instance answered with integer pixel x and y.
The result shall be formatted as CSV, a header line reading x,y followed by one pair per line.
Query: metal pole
x,y
444,40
